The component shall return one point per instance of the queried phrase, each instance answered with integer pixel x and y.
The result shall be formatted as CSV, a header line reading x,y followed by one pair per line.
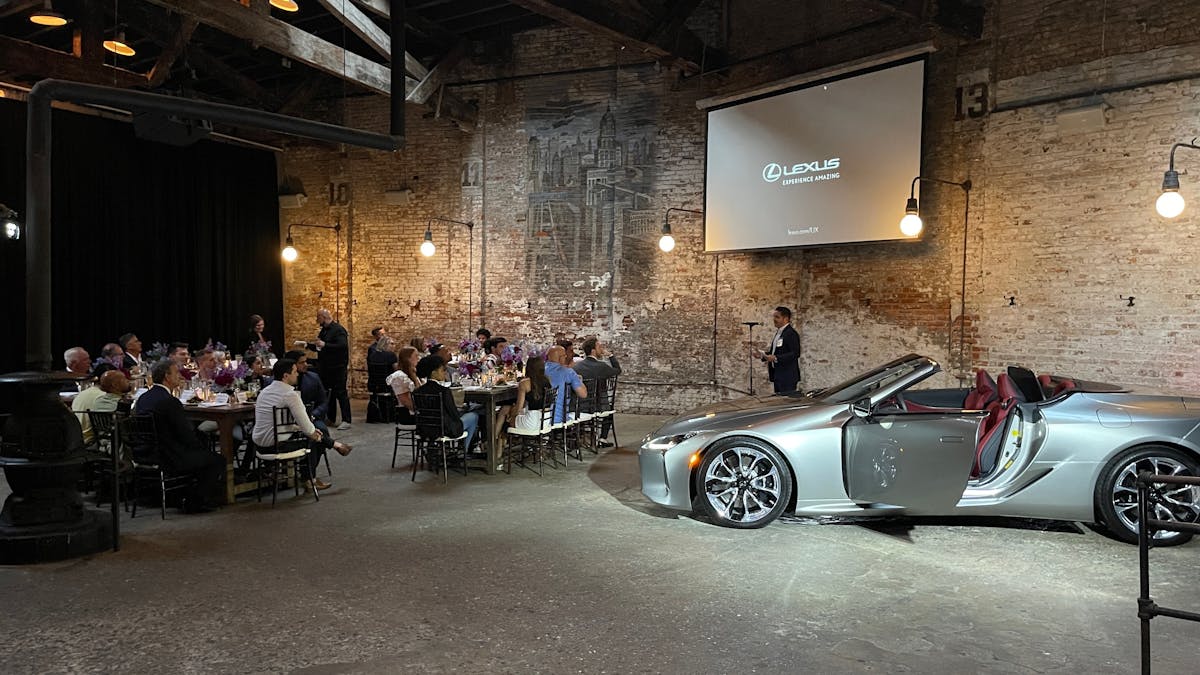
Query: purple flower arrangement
x,y
230,374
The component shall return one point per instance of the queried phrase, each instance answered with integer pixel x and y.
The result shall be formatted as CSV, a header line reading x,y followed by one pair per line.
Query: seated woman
x,y
532,391
403,381
381,363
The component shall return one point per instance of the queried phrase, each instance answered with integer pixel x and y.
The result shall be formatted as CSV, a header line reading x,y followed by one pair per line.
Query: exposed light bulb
x,y
666,243
12,230
1170,204
911,225
427,248
290,254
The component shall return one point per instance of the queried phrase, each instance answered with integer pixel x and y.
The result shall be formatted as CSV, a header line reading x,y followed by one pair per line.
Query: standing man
x,y
783,356
333,345
597,365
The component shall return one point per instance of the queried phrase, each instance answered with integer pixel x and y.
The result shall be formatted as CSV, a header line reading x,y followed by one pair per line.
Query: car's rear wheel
x,y
742,483
1117,495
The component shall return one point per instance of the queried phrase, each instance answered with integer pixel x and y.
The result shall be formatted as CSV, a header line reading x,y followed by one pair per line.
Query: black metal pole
x,y
399,87
1145,604
38,189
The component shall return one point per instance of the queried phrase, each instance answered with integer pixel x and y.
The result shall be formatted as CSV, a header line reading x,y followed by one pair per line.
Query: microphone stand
x,y
750,326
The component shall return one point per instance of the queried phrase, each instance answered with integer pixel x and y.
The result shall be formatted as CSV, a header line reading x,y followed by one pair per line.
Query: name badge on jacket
x,y
779,342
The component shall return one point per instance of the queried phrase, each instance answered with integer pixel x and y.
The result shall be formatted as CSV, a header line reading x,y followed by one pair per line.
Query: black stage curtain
x,y
169,243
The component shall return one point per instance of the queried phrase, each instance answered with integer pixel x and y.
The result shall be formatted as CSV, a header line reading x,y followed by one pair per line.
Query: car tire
x,y
742,483
1116,493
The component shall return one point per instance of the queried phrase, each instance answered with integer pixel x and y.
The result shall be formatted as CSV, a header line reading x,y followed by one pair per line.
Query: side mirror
x,y
861,408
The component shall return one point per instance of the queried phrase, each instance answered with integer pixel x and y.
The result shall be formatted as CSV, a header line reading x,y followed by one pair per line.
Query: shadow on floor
x,y
615,472
901,527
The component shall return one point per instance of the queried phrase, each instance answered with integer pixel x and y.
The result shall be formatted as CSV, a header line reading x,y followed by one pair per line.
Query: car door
x,y
917,460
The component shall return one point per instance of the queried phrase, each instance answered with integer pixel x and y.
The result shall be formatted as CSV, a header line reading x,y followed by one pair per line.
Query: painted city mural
x,y
592,224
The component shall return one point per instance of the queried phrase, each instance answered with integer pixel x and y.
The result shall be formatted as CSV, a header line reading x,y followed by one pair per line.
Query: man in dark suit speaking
x,y
783,355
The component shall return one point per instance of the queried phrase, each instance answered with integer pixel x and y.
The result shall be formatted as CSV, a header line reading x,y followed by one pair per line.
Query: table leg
x,y
225,430
491,446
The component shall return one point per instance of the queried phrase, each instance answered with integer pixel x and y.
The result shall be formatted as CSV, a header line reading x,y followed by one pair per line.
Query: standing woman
x,y
256,340
526,413
403,382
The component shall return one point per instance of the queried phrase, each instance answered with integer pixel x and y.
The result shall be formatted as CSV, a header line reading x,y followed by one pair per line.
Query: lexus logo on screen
x,y
773,172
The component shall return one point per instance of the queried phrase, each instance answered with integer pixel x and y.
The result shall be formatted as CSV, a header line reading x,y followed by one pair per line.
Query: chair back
x,y
139,436
429,415
287,435
548,409
608,400
575,405
104,425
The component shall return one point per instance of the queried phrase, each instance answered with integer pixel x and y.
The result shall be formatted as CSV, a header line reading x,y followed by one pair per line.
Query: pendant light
x,y
46,16
118,45
286,5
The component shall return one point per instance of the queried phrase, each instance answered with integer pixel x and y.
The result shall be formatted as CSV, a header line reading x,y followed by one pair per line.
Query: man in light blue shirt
x,y
558,371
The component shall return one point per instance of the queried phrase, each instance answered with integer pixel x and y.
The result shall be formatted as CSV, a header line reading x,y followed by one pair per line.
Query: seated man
x,y
179,448
312,390
206,365
597,365
106,397
494,348
281,393
432,369
558,370
111,354
179,353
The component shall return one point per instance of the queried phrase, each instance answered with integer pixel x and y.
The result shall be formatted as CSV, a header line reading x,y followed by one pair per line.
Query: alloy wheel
x,y
743,484
1169,502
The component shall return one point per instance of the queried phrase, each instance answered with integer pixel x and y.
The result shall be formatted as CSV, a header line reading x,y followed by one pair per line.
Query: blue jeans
x,y
470,422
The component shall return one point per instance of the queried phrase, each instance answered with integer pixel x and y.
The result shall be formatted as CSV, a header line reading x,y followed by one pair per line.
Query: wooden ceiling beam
x,y
35,61
437,76
171,51
229,76
683,49
293,43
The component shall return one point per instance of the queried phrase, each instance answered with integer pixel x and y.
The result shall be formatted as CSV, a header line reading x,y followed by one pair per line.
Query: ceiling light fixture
x,y
1170,203
286,5
46,16
118,45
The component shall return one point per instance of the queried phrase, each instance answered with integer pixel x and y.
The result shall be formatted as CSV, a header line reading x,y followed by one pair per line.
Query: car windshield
x,y
864,385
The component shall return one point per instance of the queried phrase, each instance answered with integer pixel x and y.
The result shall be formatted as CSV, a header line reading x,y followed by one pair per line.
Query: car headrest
x,y
1064,385
1045,381
984,384
1006,388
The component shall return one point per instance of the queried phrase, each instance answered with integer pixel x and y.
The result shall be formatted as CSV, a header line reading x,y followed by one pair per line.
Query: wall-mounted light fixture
x,y
1128,300
428,249
8,219
911,226
667,241
46,16
289,252
1170,203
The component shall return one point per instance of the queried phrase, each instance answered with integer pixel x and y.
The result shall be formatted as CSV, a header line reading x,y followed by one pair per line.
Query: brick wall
x,y
567,217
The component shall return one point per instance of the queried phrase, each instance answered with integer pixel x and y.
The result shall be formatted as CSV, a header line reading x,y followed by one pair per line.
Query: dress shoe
x,y
343,426
342,448
604,444
319,484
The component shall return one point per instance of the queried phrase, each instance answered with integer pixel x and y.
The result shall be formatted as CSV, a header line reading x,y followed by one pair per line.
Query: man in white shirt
x,y
282,393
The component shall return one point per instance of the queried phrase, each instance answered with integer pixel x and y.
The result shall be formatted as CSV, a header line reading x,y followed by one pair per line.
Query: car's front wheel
x,y
742,483
1117,494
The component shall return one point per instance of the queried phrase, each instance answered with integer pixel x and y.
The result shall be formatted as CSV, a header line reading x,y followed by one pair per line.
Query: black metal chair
x,y
607,409
289,449
431,430
523,442
105,454
139,433
408,434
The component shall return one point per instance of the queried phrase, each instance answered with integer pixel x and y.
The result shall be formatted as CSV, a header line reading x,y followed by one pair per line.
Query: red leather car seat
x,y
983,393
1047,384
1064,385
993,429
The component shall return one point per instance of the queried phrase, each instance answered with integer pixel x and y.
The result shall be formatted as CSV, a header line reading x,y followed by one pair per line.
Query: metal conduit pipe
x,y
399,92
37,170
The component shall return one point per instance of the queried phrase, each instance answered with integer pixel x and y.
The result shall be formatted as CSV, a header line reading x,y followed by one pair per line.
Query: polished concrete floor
x,y
577,573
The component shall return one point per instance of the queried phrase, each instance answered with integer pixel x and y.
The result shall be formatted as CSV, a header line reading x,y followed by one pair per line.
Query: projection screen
x,y
827,164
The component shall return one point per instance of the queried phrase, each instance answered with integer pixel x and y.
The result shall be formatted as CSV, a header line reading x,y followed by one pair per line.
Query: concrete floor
x,y
576,572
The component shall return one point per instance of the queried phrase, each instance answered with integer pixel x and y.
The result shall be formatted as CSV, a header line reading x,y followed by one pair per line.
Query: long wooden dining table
x,y
490,398
226,417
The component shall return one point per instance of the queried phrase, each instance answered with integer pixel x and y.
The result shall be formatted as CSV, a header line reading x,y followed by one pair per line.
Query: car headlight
x,y
665,443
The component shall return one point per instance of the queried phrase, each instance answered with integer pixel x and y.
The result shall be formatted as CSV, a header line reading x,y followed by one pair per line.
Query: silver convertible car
x,y
1020,445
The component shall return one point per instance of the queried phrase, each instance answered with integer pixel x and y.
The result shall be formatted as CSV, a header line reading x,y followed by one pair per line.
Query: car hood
x,y
732,414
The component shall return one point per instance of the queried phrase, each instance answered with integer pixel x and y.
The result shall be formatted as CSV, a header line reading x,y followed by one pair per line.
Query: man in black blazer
x,y
179,448
333,348
783,355
432,369
597,365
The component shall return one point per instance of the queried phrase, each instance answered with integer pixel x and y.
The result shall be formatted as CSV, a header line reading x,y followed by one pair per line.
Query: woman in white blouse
x,y
403,382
